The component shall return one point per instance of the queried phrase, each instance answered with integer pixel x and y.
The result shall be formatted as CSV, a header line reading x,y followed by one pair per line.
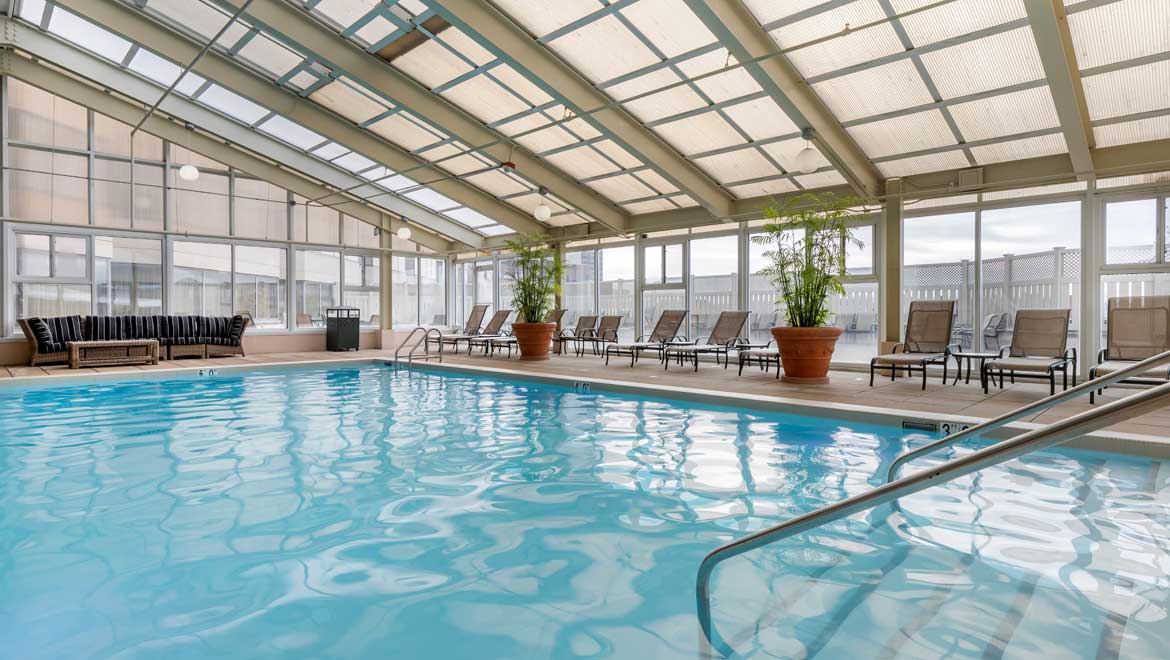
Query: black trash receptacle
x,y
341,328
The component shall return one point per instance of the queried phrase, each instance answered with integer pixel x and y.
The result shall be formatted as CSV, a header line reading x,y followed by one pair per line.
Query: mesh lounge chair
x,y
606,333
505,340
1038,350
723,338
585,326
664,331
927,341
494,328
1139,328
764,357
470,329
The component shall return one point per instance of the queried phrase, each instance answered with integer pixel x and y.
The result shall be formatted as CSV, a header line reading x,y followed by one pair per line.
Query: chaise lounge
x,y
926,341
1138,328
1038,350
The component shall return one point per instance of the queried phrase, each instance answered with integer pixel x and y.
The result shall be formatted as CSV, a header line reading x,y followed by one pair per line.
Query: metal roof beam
x,y
506,40
1050,30
141,29
301,30
109,76
739,31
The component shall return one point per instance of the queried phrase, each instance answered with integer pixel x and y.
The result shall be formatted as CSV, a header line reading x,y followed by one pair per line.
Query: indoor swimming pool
x,y
357,512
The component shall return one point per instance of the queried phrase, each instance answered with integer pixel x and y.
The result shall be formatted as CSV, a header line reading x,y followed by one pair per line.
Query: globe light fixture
x,y
542,211
808,159
403,233
188,173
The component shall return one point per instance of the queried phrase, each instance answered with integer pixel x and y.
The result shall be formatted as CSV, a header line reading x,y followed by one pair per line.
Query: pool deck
x,y
847,387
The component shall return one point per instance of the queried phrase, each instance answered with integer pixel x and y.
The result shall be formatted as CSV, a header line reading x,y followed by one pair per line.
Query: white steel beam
x,y
1050,30
110,77
506,40
141,29
739,31
302,31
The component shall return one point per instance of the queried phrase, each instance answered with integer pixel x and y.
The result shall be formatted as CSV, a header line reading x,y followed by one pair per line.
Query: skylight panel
x,y
670,25
303,80
761,119
541,17
582,162
1119,31
431,199
1128,91
396,183
199,18
666,103
622,187
956,18
1006,114
649,206
269,55
520,85
401,129
354,162
604,50
1141,130
152,66
468,217
700,133
377,173
497,183
940,162
375,30
724,86
767,11
81,32
291,132
762,188
32,11
547,139
485,99
904,134
431,64
785,152
190,84
232,104
1034,147
330,151
1051,189
874,91
821,179
345,12
461,43
848,49
349,102
496,230
620,156
739,165
984,64
656,181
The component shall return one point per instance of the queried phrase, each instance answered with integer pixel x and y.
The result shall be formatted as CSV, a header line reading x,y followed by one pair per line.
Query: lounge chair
x,y
723,339
494,328
764,357
606,333
1038,350
585,325
1139,328
470,329
505,340
927,341
665,330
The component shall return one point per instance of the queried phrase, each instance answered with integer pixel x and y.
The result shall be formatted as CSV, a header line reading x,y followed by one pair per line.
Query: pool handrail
x,y
1005,450
411,356
1024,411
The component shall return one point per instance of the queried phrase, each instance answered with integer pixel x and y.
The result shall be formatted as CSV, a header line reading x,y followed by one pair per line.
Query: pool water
x,y
355,512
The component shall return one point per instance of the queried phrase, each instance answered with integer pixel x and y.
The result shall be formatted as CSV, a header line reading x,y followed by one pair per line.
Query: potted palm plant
x,y
806,241
535,283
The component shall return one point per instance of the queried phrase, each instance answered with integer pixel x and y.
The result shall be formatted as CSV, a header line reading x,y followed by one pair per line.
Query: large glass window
x,y
202,278
313,223
362,281
578,288
432,292
48,187
261,210
318,285
1131,230
506,271
714,282
404,291
615,287
261,281
128,276
39,117
51,277
938,255
199,206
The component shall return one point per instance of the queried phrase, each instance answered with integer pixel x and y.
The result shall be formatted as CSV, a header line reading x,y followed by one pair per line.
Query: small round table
x,y
971,356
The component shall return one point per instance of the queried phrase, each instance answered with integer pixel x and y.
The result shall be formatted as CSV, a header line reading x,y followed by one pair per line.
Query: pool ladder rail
x,y
1005,450
421,336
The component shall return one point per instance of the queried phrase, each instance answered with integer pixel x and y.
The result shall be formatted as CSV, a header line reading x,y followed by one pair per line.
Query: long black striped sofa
x,y
178,336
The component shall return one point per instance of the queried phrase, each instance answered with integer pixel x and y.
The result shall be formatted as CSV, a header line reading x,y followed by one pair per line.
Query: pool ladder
x,y
419,335
894,488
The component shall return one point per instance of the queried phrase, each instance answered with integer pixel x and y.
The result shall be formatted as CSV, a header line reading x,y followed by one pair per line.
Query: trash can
x,y
341,328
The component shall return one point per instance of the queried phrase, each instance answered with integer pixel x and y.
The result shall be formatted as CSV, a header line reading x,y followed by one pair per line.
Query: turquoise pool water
x,y
353,512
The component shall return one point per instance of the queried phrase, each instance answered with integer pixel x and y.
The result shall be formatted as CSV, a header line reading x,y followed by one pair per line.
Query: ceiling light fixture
x,y
188,173
403,233
807,160
542,211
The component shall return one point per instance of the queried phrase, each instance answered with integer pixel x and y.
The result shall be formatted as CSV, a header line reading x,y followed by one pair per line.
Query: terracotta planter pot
x,y
535,339
806,352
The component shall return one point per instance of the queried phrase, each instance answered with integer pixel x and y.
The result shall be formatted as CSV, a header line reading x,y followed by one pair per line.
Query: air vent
x,y
971,179
928,427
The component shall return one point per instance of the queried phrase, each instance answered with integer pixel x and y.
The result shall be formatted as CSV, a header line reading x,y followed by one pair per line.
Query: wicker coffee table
x,y
112,353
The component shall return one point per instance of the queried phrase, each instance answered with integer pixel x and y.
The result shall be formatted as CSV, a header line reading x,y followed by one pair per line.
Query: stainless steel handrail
x,y
1024,411
411,355
1005,450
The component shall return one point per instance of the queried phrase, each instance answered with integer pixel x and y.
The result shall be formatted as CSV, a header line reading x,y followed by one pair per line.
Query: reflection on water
x,y
353,512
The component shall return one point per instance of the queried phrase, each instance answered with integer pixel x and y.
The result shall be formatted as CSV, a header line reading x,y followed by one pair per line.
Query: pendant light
x,y
808,159
188,173
403,233
542,211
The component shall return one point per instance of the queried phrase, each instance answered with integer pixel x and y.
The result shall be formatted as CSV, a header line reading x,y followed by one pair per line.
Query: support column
x,y
1092,257
892,212
385,283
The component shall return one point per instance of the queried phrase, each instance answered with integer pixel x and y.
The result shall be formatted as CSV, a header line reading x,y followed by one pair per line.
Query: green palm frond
x,y
537,278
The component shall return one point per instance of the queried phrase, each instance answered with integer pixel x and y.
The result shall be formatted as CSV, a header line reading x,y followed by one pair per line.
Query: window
x,y
579,285
432,292
1131,230
939,264
260,285
51,277
111,136
404,291
763,296
39,117
261,210
663,264
615,287
313,223
48,187
318,286
362,280
360,234
714,285
200,206
506,270
128,276
201,278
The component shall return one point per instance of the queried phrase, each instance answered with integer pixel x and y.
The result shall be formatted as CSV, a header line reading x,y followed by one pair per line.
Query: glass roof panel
x,y
431,63
669,24
762,188
603,50
348,101
1006,114
520,85
1120,31
81,32
541,17
947,160
461,43
1128,91
873,91
330,151
269,55
190,84
496,230
152,66
32,11
617,154
644,83
232,104
767,11
846,50
303,80
1044,145
469,217
666,103
402,129
650,206
729,85
700,133
522,124
497,183
1142,130
199,18
824,179
621,187
1052,189
956,18
761,119
656,181
485,99
582,162
431,199
904,134
785,152
375,30
354,162
546,139
293,133
737,166
985,64
345,12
